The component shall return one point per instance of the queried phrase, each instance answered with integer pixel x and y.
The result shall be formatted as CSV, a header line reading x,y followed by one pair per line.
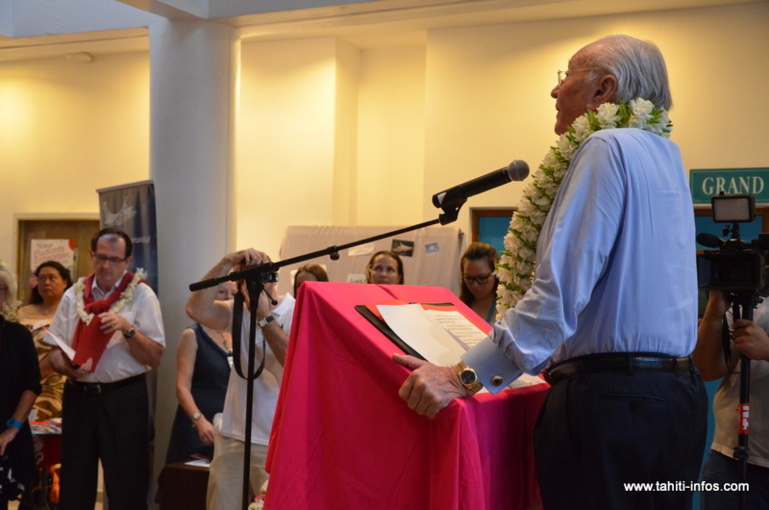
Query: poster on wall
x,y
131,208
59,250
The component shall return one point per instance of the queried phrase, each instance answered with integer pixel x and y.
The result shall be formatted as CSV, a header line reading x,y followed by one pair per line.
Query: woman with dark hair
x,y
385,267
50,281
309,273
478,280
46,285
20,384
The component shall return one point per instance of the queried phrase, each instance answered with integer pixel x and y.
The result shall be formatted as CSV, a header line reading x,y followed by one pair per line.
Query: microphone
x,y
517,170
709,240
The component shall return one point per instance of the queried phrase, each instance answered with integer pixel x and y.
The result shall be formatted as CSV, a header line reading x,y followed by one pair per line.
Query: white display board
x,y
430,255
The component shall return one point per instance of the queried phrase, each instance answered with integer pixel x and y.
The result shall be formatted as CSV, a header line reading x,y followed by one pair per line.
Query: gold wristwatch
x,y
468,377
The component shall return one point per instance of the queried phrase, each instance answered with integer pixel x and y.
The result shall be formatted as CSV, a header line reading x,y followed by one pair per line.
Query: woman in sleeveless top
x,y
203,369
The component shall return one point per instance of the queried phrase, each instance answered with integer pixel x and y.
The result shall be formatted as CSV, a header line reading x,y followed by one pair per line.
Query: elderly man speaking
x,y
611,310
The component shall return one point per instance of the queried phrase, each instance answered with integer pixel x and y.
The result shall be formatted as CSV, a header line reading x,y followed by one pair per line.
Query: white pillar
x,y
194,68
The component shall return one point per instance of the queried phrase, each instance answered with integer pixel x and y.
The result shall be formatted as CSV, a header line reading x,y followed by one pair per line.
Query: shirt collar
x,y
96,291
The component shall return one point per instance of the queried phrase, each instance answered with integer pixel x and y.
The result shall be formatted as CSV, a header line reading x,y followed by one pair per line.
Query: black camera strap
x,y
726,339
237,326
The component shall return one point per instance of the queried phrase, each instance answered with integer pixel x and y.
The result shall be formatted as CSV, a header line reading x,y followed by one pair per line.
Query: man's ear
x,y
606,90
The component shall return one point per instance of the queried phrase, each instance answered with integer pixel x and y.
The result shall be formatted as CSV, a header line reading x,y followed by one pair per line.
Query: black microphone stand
x,y
742,307
255,276
254,287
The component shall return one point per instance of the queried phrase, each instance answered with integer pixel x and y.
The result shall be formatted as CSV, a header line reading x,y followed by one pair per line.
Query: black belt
x,y
616,362
97,388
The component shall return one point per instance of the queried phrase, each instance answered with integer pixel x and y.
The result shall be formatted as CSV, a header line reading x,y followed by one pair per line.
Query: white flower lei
x,y
126,296
517,262
10,312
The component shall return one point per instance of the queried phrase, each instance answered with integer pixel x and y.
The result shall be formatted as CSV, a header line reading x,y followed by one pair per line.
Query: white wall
x,y
67,129
285,139
391,137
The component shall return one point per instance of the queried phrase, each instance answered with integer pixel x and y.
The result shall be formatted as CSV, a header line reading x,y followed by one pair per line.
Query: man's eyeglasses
x,y
101,259
562,75
480,280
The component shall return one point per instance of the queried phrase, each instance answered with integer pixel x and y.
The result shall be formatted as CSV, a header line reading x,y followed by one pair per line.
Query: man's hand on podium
x,y
429,388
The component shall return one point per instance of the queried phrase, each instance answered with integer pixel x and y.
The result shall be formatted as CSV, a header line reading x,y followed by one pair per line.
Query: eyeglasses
x,y
101,259
562,75
480,280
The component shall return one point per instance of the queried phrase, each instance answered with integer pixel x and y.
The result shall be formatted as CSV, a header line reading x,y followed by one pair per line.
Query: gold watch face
x,y
468,377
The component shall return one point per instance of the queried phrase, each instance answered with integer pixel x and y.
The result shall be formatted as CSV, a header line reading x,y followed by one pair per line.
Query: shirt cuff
x,y
494,370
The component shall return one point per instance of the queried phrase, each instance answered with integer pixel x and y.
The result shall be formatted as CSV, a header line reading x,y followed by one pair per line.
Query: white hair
x,y
9,304
638,66
8,279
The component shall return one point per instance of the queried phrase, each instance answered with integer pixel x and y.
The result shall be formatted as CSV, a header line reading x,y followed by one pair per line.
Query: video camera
x,y
734,266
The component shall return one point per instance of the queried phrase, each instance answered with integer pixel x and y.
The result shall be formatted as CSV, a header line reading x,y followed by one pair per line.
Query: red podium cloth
x,y
342,438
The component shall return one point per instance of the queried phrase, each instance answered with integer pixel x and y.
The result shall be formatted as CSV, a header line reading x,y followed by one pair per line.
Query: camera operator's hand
x,y
718,304
244,259
203,307
751,340
708,355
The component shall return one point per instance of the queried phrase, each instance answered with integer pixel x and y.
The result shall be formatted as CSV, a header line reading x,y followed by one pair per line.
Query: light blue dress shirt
x,y
616,266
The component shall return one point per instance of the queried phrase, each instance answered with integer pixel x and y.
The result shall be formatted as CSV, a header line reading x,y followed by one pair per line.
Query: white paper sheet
x,y
464,331
61,344
423,333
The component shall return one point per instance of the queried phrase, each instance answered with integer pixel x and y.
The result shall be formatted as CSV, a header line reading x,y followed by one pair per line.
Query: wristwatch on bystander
x,y
262,323
13,422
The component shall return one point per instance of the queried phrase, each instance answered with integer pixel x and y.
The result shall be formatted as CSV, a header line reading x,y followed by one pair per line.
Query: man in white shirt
x,y
274,318
105,408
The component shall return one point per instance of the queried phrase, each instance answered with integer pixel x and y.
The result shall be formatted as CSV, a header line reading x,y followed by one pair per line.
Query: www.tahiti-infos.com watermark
x,y
687,486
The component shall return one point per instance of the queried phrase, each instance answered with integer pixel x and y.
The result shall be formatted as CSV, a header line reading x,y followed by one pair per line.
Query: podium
x,y
343,438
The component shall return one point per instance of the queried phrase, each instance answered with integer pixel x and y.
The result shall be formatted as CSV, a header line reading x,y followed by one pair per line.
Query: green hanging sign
x,y
704,183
